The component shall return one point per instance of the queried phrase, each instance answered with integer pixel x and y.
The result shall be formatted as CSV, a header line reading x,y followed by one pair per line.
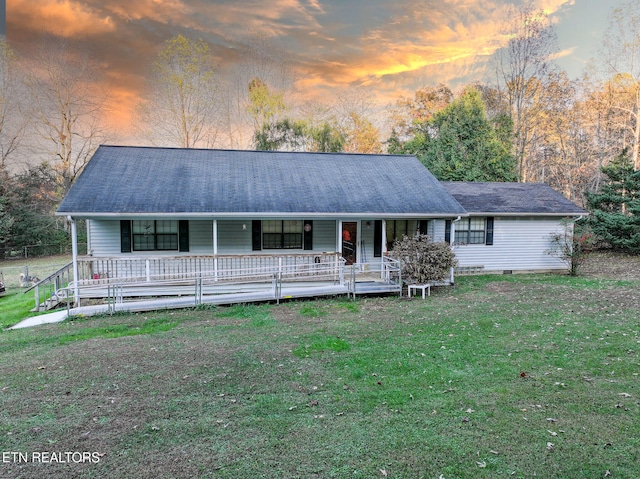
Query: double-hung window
x,y
154,235
396,229
474,230
282,234
160,235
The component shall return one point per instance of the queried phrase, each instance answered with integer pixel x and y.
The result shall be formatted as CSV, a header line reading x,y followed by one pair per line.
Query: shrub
x,y
571,246
423,260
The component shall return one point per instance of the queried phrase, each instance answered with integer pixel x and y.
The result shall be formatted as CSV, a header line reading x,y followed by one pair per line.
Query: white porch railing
x,y
267,276
110,270
387,272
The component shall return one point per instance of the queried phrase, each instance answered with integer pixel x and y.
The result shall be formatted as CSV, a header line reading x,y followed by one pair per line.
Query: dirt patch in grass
x,y
611,265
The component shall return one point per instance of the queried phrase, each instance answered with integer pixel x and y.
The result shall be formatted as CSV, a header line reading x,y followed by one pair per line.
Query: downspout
x,y
452,233
452,238
74,254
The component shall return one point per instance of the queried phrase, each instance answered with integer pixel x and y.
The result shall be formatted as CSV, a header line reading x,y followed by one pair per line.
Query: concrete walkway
x,y
48,318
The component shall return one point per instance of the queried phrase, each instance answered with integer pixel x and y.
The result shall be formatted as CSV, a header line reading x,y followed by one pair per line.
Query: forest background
x,y
529,123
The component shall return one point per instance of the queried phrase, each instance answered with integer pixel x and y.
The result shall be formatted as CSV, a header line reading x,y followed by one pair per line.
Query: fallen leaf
x,y
481,464
550,446
553,433
625,395
383,472
550,419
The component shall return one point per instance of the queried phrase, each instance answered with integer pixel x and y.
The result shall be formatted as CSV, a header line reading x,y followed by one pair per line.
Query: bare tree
x,y
66,104
409,114
621,54
179,108
12,120
521,67
265,64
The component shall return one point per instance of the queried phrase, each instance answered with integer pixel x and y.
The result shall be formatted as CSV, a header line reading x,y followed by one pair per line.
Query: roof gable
x,y
511,198
145,180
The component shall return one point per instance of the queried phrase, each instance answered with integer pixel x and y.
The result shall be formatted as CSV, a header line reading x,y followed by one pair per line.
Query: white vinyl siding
x,y
519,244
105,239
234,237
324,235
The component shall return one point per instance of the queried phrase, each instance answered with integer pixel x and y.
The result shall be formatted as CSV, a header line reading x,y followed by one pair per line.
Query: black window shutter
x,y
308,235
256,235
183,235
489,234
125,236
447,231
377,238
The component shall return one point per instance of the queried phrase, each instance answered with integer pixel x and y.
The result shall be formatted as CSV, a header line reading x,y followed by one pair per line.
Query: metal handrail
x,y
67,267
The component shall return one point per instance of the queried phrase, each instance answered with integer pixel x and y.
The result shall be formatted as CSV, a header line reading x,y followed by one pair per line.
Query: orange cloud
x,y
60,17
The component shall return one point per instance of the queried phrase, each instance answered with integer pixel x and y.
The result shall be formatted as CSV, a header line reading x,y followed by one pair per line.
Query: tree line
x,y
531,123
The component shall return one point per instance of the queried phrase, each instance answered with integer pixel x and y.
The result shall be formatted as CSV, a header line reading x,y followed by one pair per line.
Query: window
x,y
282,234
149,235
396,229
154,235
474,231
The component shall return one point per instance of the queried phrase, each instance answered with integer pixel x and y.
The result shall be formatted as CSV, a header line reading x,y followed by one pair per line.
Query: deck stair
x,y
50,292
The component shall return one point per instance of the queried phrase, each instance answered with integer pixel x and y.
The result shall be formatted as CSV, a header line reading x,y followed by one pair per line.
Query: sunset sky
x,y
392,47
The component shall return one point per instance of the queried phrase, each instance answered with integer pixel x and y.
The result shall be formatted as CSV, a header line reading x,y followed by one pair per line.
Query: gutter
x,y
257,215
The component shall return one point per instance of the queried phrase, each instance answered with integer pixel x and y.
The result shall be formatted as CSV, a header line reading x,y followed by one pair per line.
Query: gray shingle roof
x,y
511,198
145,180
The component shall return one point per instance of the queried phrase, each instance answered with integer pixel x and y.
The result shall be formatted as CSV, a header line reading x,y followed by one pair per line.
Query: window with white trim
x,y
282,234
474,230
396,229
154,235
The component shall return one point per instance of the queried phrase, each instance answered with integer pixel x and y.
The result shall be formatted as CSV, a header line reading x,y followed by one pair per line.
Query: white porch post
x,y
339,238
384,237
383,249
215,249
74,255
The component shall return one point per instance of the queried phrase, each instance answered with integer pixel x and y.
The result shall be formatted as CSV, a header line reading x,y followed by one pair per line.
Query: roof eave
x,y
525,213
275,214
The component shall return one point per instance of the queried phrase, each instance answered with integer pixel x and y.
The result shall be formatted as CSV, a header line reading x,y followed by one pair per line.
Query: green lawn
x,y
15,306
501,376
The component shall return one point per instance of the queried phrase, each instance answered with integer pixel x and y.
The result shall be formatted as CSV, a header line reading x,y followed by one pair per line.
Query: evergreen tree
x,y
460,143
29,200
615,209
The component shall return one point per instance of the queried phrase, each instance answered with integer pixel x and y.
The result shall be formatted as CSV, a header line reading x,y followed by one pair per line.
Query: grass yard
x,y
501,376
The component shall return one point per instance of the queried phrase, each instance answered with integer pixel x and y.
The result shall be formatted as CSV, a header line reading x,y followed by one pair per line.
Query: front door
x,y
349,241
